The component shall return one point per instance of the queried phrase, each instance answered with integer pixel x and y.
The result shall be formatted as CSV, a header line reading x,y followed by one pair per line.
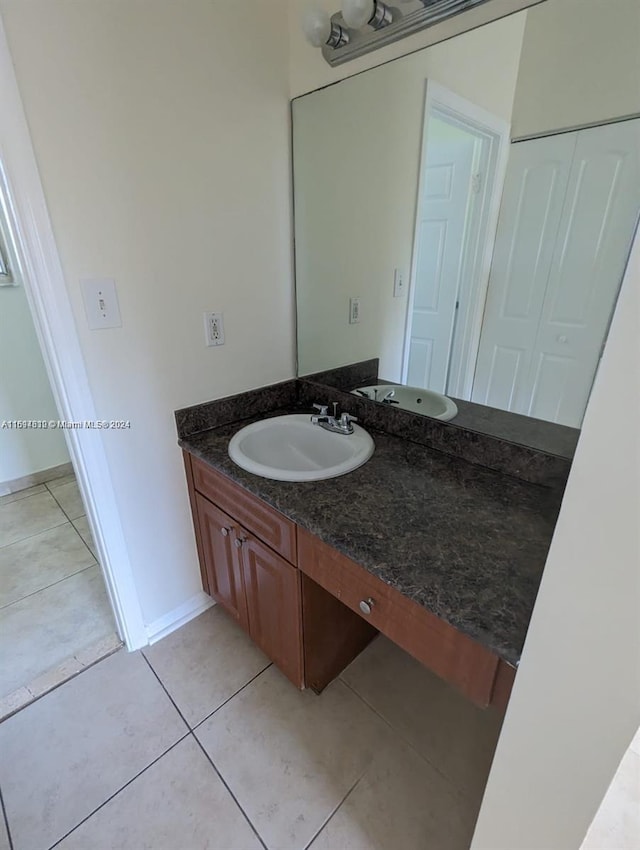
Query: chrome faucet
x,y
388,398
332,423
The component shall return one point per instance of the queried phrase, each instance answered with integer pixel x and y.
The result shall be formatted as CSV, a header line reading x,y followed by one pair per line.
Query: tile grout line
x,y
42,531
46,483
58,481
92,553
170,698
53,496
342,801
406,741
47,586
6,820
115,794
230,792
222,704
233,695
21,498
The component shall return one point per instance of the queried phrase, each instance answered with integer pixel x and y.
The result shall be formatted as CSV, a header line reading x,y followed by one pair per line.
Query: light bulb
x,y
357,13
316,26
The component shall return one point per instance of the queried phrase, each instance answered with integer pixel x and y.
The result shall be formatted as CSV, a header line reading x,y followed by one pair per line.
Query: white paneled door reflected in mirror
x,y
498,173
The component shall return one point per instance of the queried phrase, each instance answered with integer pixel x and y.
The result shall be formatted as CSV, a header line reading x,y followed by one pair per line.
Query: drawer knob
x,y
225,531
239,541
366,605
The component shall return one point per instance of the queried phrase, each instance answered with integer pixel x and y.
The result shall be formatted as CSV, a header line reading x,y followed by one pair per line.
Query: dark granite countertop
x,y
467,543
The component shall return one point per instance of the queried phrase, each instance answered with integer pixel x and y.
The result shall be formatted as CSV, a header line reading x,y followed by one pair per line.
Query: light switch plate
x,y
101,303
354,311
398,283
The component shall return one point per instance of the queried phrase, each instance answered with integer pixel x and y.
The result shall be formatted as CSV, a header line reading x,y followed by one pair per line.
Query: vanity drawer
x,y
443,649
271,527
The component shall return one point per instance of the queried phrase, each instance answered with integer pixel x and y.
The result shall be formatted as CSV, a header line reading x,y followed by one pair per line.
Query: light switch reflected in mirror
x,y
500,170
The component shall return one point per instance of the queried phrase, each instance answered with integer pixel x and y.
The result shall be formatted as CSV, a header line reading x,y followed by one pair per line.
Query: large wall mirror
x,y
465,213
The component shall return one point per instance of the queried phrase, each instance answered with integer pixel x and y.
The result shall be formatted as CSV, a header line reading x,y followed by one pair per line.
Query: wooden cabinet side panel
x,y
274,608
443,649
333,635
505,677
196,524
221,561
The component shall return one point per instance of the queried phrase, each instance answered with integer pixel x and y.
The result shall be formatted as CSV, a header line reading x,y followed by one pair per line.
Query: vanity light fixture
x,y
359,13
321,31
365,25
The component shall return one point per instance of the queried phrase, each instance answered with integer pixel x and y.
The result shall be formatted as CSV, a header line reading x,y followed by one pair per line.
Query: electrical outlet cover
x,y
214,329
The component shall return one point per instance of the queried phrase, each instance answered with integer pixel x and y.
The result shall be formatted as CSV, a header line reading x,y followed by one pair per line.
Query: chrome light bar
x,y
408,17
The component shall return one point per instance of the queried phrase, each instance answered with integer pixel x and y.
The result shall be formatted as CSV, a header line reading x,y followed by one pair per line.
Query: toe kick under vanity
x,y
441,555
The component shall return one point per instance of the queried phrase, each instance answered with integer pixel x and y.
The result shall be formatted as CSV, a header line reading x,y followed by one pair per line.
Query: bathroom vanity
x,y
455,256
442,556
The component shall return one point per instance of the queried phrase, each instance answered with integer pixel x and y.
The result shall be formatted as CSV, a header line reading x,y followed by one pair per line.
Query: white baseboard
x,y
35,478
190,609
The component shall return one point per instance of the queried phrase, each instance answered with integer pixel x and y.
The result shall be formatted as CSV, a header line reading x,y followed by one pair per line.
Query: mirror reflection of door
x,y
569,209
444,209
461,177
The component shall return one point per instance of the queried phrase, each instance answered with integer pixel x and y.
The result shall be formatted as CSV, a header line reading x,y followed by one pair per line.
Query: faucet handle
x,y
322,408
346,419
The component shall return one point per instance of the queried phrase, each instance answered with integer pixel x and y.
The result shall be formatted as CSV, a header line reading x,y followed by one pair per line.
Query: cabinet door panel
x,y
221,560
273,605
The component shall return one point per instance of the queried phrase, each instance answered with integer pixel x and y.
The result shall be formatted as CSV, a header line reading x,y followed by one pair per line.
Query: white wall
x,y
25,392
162,136
357,164
580,64
576,700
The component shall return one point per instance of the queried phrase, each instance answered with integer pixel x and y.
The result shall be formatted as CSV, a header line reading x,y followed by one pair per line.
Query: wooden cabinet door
x,y
222,559
272,588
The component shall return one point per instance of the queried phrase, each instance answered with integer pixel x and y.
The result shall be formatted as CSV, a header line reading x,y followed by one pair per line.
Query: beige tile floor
x,y
198,743
53,602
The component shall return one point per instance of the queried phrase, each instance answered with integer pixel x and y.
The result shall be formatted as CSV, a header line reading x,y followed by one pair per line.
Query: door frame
x,y
496,131
23,200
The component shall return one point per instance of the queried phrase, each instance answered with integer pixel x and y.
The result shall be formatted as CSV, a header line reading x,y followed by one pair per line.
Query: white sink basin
x,y
290,448
415,399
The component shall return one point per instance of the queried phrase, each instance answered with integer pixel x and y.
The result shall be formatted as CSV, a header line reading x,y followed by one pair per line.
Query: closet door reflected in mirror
x,y
568,212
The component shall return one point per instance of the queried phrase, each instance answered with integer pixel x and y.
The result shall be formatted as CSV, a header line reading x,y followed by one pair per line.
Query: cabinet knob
x,y
239,541
225,531
366,605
